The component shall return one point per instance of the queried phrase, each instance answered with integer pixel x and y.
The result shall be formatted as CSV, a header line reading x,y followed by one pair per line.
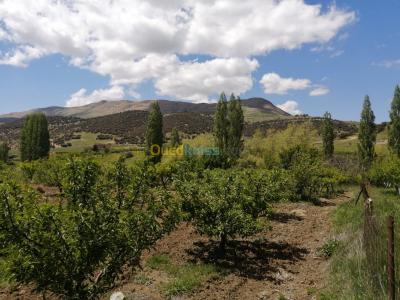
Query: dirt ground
x,y
281,262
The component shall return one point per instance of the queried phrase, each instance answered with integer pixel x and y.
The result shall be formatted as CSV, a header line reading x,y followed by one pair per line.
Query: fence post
x,y
390,253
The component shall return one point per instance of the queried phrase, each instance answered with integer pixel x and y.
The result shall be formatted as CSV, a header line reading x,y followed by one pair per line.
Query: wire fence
x,y
381,262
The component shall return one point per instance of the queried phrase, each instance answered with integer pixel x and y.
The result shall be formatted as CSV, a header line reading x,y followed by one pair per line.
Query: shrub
x,y
28,170
304,164
385,172
78,250
227,203
264,149
312,177
50,172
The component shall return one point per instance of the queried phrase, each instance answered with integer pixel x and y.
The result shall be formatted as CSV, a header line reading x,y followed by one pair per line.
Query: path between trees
x,y
283,262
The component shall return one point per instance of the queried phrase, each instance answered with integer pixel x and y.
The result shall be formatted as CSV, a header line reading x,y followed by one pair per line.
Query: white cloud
x,y
275,84
196,81
81,97
132,41
242,28
21,56
388,64
319,91
291,107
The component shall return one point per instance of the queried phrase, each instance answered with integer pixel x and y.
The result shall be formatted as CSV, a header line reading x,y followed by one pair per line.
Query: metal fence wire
x,y
380,264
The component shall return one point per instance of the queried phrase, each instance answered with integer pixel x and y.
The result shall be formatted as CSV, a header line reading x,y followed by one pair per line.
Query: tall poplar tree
x,y
236,124
328,136
228,127
35,138
394,127
366,136
221,125
154,132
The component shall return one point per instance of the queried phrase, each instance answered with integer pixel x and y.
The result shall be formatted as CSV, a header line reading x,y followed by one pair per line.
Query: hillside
x,y
257,109
130,126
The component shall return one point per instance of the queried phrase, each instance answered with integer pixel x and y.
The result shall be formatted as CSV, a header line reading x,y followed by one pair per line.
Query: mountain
x,y
255,109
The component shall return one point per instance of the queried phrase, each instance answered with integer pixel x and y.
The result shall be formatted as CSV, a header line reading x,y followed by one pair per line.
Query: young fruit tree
x,y
228,203
78,248
35,138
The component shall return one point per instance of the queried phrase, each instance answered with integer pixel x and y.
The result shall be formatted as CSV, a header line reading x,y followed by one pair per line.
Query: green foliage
x,y
228,128
50,172
366,136
328,136
77,250
28,170
328,248
236,125
221,125
263,149
312,177
394,127
351,276
4,149
154,132
175,139
228,203
385,172
35,138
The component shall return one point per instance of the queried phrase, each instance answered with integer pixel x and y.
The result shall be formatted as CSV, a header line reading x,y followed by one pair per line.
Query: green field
x,y
86,141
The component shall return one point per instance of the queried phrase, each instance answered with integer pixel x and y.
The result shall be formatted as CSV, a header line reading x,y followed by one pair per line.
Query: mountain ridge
x,y
263,108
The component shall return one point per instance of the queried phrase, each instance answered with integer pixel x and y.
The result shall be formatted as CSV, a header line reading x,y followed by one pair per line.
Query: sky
x,y
304,56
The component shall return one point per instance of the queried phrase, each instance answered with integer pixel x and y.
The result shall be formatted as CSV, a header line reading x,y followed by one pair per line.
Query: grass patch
x,y
142,279
86,141
328,248
350,277
5,277
184,278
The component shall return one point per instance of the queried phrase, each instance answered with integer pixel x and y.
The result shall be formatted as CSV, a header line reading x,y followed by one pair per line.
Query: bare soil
x,y
283,261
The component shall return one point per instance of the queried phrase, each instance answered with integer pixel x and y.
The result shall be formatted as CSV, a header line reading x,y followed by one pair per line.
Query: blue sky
x,y
45,67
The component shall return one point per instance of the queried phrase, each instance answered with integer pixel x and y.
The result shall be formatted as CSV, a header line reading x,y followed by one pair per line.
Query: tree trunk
x,y
222,243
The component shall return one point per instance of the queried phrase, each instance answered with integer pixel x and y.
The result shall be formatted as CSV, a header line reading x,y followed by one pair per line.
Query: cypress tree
x,y
328,135
4,152
221,125
366,136
35,138
175,139
394,127
154,132
236,124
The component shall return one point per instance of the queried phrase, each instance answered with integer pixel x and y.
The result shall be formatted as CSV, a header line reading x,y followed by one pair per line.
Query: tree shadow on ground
x,y
258,259
323,202
282,217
